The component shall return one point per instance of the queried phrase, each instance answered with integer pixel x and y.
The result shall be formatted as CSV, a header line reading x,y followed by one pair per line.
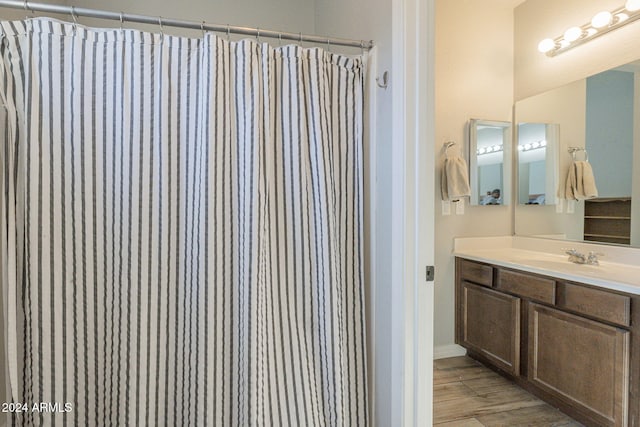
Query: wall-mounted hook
x,y
385,80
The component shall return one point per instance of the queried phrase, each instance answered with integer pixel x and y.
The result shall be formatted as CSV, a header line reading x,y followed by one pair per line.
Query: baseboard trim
x,y
449,350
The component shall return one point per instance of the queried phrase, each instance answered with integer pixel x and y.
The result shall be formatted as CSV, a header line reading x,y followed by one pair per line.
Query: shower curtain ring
x,y
75,19
121,20
328,45
300,39
26,9
204,33
280,38
161,28
228,33
258,35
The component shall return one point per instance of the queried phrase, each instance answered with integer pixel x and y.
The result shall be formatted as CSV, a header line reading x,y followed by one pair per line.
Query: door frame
x,y
413,214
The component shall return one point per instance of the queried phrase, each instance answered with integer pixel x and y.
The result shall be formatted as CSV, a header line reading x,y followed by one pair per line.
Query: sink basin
x,y
555,265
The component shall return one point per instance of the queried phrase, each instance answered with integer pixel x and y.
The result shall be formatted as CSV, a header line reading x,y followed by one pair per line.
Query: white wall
x,y
538,19
474,79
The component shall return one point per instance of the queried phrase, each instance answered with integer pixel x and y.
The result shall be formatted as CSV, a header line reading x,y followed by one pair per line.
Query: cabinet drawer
x,y
527,286
596,303
474,272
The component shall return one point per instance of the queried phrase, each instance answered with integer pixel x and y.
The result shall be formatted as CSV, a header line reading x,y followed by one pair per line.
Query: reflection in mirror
x,y
600,115
537,163
489,146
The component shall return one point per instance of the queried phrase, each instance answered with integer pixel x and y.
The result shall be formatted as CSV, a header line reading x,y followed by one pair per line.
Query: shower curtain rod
x,y
142,19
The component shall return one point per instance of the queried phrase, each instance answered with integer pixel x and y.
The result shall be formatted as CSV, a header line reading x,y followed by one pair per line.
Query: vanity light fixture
x,y
532,146
490,149
602,23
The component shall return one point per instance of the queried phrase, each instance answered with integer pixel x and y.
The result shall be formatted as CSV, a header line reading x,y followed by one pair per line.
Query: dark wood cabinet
x,y
574,345
581,361
492,325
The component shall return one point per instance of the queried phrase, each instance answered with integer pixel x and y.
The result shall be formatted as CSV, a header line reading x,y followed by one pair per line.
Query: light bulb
x,y
481,151
543,143
520,147
546,45
572,34
497,147
535,144
632,5
527,147
621,17
590,32
601,19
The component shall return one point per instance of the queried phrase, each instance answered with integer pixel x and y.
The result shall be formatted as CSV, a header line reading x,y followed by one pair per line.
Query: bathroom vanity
x,y
570,337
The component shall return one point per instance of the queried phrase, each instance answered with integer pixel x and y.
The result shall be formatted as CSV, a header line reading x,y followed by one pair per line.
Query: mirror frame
x,y
507,138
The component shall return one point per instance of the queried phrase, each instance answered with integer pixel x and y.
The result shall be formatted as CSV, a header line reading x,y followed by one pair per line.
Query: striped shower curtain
x,y
181,230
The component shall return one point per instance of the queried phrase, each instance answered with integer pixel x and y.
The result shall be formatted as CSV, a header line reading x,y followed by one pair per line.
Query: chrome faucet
x,y
592,259
580,258
576,257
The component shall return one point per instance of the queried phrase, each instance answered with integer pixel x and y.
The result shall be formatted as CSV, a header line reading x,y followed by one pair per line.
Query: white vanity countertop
x,y
551,261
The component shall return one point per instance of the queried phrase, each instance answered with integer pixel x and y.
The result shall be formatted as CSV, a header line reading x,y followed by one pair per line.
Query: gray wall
x,y
286,15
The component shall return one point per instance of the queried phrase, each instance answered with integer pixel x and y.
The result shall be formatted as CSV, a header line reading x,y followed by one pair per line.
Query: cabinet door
x,y
491,326
583,362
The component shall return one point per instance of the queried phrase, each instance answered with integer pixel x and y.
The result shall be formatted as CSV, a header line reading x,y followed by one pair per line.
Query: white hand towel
x,y
581,183
455,179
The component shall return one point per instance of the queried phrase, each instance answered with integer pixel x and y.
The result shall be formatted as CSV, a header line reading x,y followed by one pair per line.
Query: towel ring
x,y
574,150
448,145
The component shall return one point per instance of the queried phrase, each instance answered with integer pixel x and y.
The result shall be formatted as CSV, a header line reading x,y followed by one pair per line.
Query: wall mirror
x,y
537,163
599,115
489,154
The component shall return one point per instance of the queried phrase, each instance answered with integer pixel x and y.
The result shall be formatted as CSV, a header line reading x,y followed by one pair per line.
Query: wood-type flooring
x,y
468,394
